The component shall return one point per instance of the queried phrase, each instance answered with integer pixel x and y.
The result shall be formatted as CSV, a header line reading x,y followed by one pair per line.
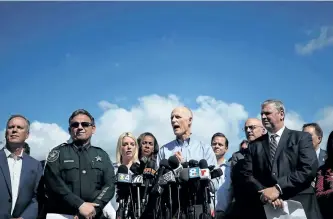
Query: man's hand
x,y
87,210
278,203
179,156
269,194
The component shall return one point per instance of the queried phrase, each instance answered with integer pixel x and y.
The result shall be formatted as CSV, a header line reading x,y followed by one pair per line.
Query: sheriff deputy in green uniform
x,y
79,177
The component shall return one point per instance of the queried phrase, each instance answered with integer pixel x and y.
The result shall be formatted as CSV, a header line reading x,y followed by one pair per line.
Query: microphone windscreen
x,y
123,169
135,169
185,164
203,164
216,173
151,164
183,175
164,163
193,163
173,162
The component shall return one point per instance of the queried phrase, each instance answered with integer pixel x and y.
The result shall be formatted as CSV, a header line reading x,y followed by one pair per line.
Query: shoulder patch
x,y
53,156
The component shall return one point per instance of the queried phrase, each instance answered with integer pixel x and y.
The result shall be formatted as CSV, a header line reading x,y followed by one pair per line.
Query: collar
x,y
182,142
10,154
85,147
278,133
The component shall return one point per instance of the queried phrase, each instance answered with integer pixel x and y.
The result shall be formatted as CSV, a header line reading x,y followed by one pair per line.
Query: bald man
x,y
253,129
185,147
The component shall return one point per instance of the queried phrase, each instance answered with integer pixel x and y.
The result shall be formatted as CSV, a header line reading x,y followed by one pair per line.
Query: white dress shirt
x,y
278,133
15,167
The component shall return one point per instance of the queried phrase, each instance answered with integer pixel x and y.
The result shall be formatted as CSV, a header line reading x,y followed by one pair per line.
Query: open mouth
x,y
128,152
176,127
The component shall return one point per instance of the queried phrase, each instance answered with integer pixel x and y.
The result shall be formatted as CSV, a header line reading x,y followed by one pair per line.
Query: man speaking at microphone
x,y
184,147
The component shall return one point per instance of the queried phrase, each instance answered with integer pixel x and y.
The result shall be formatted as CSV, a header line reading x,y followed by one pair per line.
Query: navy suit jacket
x,y
26,204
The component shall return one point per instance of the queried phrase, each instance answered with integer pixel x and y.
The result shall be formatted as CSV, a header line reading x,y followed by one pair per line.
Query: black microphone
x,y
216,173
123,183
205,177
148,175
135,169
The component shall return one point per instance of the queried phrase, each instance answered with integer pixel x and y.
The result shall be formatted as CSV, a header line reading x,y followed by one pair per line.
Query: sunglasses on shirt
x,y
83,124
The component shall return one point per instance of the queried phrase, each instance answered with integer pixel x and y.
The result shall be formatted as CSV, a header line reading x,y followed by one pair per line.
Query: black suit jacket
x,y
293,168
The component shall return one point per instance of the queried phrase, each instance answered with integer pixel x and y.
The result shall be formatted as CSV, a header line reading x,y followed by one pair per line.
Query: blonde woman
x,y
126,154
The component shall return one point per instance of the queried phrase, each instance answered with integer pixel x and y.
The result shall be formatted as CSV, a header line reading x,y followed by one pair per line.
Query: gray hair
x,y
278,104
19,116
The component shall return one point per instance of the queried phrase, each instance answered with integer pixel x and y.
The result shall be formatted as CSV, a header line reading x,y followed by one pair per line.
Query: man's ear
x,y
320,139
93,129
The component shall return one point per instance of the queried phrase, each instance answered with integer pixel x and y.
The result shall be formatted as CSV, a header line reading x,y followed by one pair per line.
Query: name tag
x,y
68,161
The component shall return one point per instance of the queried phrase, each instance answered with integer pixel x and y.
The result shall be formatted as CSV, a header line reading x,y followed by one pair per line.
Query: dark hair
x,y
244,141
329,149
219,134
26,148
81,111
19,116
318,130
156,146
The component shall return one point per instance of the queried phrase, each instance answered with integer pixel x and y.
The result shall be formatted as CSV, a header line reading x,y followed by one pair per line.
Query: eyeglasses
x,y
251,127
83,124
147,142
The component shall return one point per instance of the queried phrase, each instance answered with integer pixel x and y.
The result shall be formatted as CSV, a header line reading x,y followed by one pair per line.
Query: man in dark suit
x,y
279,166
317,136
19,173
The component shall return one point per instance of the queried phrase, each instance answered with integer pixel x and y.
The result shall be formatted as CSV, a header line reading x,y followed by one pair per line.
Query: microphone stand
x,y
138,202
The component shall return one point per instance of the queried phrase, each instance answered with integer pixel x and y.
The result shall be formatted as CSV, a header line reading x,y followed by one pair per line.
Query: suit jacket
x,y
293,168
26,204
322,157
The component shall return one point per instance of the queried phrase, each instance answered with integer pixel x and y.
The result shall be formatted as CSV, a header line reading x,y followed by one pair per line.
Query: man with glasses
x,y
253,129
79,177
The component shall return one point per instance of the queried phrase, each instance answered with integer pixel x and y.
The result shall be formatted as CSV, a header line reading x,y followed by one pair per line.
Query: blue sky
x,y
56,57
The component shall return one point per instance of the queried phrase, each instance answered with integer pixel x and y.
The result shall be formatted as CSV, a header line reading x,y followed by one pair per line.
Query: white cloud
x,y
324,39
152,113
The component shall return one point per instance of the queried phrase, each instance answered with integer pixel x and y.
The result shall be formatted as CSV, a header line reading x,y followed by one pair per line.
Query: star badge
x,y
98,158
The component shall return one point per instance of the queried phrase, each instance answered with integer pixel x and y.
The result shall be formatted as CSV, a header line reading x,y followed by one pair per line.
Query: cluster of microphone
x,y
174,189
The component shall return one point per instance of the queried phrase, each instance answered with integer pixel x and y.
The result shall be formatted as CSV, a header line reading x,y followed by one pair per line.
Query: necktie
x,y
273,146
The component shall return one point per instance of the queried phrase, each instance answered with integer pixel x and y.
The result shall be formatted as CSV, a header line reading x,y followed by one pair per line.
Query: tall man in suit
x,y
19,173
317,136
280,165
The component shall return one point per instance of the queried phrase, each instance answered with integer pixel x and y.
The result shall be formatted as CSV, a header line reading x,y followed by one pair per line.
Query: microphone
x,y
176,167
204,170
123,182
216,173
205,176
148,174
193,171
135,169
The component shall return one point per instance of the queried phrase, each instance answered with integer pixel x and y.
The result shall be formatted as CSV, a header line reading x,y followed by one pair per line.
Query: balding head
x,y
253,129
181,122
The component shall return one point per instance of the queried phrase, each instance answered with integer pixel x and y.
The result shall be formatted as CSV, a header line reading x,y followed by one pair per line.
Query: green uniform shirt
x,y
74,175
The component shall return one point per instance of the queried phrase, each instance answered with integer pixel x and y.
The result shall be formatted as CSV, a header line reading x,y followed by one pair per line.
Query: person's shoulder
x,y
99,149
54,153
169,144
60,147
31,159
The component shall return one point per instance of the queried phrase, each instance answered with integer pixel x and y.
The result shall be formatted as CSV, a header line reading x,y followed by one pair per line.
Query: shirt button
x,y
274,173
84,172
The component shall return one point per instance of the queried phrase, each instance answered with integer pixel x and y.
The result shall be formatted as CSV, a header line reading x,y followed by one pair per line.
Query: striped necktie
x,y
273,146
